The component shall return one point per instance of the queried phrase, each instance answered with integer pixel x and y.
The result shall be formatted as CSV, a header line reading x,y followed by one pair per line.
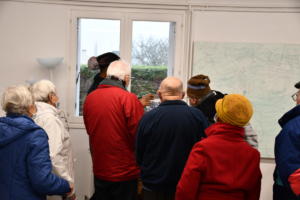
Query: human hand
x,y
72,197
145,100
71,185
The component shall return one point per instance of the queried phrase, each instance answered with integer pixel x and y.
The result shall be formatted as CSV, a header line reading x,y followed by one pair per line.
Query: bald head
x,y
170,89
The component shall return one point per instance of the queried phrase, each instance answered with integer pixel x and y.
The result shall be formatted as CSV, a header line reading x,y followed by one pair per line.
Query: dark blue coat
x,y
25,166
287,145
165,138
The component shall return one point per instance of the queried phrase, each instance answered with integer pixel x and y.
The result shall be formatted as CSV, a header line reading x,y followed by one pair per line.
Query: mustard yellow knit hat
x,y
234,109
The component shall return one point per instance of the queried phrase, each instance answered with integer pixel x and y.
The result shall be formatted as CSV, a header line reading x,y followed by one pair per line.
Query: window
x,y
144,39
151,55
95,37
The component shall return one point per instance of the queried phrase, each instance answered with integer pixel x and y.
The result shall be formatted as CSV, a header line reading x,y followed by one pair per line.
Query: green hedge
x,y
146,79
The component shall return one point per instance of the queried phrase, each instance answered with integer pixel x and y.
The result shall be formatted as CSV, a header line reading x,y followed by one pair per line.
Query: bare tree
x,y
150,52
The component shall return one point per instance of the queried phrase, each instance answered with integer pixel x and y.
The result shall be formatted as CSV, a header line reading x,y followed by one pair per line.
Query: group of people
x,y
175,151
204,149
35,148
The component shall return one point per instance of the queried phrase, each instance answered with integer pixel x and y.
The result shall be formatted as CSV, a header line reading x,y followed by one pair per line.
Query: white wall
x,y
31,30
267,167
257,27
28,31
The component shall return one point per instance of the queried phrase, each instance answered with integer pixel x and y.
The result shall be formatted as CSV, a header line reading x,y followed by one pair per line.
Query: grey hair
x,y
17,99
118,69
41,90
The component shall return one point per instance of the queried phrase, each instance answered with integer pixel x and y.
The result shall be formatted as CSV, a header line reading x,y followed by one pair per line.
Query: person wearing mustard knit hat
x,y
223,165
201,96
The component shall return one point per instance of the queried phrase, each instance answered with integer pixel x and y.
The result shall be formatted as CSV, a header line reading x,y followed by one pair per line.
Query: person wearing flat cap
x,y
202,97
287,153
223,165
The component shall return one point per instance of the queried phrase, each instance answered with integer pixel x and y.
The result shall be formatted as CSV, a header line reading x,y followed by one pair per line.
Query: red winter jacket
x,y
221,167
111,115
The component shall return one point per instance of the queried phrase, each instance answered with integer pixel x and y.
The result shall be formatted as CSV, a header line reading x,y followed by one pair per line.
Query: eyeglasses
x,y
295,96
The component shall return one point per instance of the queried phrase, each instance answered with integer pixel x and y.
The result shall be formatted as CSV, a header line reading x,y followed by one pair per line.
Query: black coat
x,y
207,105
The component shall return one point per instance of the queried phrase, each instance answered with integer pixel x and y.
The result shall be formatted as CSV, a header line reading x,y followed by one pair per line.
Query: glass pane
x,y
152,55
95,37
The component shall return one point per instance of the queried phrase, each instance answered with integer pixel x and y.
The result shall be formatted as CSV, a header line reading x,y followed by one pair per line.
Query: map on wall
x,y
264,73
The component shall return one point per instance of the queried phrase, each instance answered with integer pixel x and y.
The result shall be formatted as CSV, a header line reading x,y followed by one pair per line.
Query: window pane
x,y
152,55
95,37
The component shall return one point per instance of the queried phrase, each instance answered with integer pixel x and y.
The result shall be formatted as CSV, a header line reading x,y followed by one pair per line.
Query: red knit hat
x,y
198,86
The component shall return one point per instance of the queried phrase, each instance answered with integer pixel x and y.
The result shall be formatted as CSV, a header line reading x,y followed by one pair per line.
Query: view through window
x,y
151,53
95,37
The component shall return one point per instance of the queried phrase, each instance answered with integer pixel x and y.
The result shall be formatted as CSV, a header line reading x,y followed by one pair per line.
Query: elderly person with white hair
x,y
25,171
47,116
111,115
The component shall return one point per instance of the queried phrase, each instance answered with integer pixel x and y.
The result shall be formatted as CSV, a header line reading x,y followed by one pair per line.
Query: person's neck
x,y
170,98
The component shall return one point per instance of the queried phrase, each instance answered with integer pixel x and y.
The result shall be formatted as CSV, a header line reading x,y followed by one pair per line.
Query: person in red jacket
x,y
111,115
223,166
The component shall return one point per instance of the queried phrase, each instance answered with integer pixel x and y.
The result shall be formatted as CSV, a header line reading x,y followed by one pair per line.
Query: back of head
x,y
171,88
234,109
119,69
93,63
105,59
17,100
198,86
42,89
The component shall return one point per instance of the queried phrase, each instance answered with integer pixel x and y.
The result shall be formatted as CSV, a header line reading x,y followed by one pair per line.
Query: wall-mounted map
x,y
265,73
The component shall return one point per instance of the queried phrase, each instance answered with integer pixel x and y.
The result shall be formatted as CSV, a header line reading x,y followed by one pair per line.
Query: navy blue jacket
x,y
25,166
287,144
165,138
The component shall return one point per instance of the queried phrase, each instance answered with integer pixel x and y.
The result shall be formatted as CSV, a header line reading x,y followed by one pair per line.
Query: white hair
x,y
17,99
119,69
41,90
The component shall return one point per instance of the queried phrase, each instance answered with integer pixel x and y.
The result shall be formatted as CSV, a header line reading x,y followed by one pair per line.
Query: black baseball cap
x,y
297,85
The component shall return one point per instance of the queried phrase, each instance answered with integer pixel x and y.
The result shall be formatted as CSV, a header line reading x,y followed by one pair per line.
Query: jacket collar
x,y
111,82
213,95
43,107
226,130
172,102
294,112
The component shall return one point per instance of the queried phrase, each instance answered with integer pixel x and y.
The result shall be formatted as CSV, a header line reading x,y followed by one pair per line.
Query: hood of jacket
x,y
13,127
294,112
225,129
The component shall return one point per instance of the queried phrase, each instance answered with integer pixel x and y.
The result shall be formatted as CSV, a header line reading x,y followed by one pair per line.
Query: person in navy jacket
x,y
25,172
165,137
287,154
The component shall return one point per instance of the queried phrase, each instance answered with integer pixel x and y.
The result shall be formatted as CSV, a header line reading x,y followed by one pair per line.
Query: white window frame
x,y
126,17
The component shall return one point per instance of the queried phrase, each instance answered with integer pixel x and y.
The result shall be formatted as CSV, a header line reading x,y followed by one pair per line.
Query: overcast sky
x,y
98,36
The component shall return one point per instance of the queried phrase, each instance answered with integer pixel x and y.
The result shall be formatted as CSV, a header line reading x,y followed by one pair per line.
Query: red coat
x,y
111,115
221,167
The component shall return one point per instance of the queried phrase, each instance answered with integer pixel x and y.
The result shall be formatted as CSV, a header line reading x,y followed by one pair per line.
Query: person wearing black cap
x,y
101,62
287,153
